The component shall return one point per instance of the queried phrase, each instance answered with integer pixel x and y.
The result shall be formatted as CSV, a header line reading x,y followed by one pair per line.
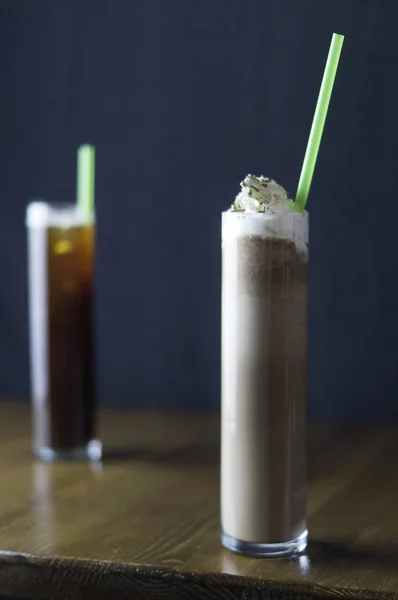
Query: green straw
x,y
318,122
86,180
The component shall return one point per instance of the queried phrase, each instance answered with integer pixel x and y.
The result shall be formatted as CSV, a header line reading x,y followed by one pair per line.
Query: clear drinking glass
x,y
264,382
60,272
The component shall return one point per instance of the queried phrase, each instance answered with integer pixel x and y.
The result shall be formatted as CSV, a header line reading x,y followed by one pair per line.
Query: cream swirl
x,y
261,194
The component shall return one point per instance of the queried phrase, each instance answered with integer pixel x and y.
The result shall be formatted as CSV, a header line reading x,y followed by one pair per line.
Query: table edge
x,y
28,575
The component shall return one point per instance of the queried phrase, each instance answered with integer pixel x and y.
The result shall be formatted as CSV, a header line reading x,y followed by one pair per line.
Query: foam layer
x,y
290,226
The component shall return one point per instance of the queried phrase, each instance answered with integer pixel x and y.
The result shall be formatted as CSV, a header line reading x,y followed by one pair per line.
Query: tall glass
x,y
60,271
264,382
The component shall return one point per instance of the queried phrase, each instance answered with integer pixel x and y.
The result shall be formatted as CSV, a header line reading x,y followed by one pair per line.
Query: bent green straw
x,y
86,180
318,122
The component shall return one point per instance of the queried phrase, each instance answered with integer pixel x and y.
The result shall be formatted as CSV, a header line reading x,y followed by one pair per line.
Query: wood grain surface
x,y
144,523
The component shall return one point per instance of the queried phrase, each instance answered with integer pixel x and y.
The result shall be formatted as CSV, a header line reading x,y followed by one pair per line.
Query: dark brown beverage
x,y
264,383
61,260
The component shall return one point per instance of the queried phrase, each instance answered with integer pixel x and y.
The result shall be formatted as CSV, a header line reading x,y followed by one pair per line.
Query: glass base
x,y
92,451
265,550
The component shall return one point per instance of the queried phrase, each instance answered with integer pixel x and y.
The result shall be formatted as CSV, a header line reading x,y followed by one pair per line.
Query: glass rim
x,y
261,215
41,214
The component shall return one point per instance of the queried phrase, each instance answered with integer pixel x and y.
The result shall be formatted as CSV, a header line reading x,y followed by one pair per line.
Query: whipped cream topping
x,y
262,194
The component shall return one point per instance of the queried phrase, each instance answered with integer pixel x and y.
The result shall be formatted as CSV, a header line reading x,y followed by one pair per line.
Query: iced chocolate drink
x,y
60,265
264,372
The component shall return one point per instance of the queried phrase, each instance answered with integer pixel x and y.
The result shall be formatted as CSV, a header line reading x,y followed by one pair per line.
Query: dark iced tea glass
x,y
60,269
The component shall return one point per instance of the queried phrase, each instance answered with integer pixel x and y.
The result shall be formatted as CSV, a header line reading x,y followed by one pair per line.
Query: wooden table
x,y
144,523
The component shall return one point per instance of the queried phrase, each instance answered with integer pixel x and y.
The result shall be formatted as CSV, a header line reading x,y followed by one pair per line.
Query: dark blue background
x,y
183,98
